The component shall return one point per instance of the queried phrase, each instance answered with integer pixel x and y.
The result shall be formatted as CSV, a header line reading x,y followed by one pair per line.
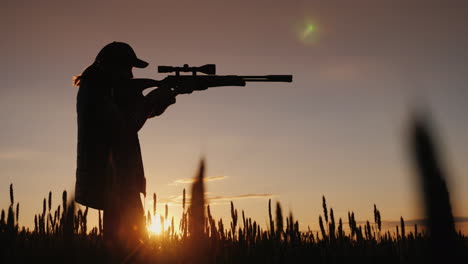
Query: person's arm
x,y
158,100
140,84
151,105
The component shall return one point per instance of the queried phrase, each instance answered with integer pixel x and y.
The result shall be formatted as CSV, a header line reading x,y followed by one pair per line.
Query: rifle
x,y
182,84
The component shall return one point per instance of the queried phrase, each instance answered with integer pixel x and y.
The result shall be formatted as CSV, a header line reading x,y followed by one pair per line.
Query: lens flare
x,y
307,31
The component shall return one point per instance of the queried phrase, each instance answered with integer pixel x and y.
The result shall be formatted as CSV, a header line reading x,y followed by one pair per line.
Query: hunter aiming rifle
x,y
187,83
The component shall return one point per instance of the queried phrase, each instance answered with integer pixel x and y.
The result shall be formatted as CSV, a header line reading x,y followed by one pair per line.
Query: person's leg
x,y
132,227
111,223
112,214
133,218
112,235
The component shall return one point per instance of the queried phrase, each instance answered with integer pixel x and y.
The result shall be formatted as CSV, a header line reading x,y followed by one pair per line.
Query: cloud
x,y
351,68
241,196
215,199
460,219
170,200
456,219
206,179
19,154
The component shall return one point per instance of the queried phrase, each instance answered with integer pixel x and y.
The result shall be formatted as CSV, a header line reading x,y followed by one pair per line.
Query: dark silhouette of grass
x,y
445,246
62,235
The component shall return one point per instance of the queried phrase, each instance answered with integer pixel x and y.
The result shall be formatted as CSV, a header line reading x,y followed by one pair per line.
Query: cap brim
x,y
140,63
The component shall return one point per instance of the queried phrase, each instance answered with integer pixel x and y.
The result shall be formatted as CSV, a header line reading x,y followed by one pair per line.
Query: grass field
x,y
62,234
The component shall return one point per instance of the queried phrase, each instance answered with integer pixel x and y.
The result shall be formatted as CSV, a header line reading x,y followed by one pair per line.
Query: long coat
x,y
108,155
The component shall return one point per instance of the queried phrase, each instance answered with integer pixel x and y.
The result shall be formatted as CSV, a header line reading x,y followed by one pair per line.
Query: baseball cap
x,y
120,53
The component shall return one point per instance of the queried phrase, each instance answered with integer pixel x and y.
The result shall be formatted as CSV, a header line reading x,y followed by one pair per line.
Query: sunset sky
x,y
360,68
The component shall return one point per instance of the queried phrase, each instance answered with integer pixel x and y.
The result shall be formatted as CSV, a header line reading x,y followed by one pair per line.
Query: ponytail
x,y
90,69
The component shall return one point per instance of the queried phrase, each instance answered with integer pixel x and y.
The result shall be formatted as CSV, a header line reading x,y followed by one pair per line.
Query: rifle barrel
x,y
267,78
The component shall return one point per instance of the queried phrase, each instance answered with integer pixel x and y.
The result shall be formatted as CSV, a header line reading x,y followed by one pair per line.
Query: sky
x,y
359,68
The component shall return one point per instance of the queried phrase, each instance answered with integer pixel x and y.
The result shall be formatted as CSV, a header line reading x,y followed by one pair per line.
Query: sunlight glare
x,y
156,227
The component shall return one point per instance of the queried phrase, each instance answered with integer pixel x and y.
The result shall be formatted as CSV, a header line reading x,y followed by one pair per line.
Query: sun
x,y
156,227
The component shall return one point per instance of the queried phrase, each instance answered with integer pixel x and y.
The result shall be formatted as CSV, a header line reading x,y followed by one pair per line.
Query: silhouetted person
x,y
111,110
